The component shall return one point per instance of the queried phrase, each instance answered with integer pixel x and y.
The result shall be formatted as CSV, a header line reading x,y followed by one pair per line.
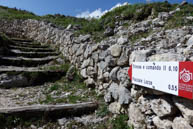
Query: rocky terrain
x,y
104,66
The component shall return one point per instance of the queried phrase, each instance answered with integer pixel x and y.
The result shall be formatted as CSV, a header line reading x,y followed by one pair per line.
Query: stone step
x,y
19,69
49,112
23,61
21,40
16,52
31,49
30,69
15,79
31,45
24,43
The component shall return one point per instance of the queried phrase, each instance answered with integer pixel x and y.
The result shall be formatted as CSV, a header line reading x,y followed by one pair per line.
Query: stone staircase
x,y
27,63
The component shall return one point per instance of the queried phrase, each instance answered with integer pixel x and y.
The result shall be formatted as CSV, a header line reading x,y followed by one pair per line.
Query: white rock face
x,y
122,40
186,107
136,118
163,107
190,41
83,73
115,108
181,123
115,50
167,57
162,124
139,56
124,95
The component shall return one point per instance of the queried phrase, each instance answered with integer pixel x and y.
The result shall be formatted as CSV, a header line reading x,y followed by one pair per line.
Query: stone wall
x,y
104,66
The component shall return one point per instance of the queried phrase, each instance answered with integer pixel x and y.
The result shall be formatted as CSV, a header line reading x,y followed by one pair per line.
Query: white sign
x,y
170,77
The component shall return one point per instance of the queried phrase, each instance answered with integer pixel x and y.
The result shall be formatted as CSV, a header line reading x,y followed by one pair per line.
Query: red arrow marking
x,y
130,72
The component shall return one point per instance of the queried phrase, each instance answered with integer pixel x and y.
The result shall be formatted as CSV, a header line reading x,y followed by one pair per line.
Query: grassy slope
x,y
133,13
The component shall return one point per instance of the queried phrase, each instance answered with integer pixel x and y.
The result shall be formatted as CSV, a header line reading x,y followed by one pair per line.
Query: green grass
x,y
179,19
120,122
134,13
72,88
103,110
139,36
54,87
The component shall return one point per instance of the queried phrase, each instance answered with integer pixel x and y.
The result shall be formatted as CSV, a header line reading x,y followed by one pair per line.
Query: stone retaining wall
x,y
104,66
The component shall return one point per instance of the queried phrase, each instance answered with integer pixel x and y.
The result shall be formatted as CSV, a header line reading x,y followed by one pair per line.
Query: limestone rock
x,y
190,18
90,82
83,73
109,32
190,41
162,124
86,63
167,57
80,50
122,74
140,55
163,15
163,107
102,65
91,71
186,107
181,123
88,51
136,92
89,120
124,95
102,55
124,58
111,62
69,27
145,104
115,108
122,40
113,73
136,117
70,73
112,93
115,50
84,38
62,121
108,97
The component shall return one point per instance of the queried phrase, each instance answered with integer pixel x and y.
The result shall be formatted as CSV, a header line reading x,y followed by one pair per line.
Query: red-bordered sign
x,y
171,77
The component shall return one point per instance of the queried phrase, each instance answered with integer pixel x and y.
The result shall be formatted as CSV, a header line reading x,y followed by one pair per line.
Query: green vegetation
x,y
75,91
103,110
139,36
62,67
4,40
179,18
13,13
120,122
135,13
132,13
8,122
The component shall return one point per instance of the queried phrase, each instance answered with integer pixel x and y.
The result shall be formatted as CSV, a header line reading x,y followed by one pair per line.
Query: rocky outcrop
x,y
104,65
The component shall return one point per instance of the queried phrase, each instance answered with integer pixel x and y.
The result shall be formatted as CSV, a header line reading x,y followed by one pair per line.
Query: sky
x,y
79,8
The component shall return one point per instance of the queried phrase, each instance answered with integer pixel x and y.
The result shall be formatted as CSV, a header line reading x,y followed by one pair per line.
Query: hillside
x,y
86,61
127,15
